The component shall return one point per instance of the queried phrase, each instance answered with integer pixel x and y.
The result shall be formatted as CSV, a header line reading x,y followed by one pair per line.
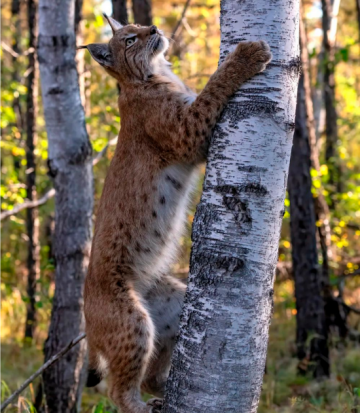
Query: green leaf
x,y
99,408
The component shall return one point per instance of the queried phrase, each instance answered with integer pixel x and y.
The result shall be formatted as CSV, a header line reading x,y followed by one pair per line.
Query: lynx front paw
x,y
255,55
156,405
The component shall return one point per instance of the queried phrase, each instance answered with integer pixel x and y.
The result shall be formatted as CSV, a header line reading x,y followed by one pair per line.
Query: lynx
x,y
132,302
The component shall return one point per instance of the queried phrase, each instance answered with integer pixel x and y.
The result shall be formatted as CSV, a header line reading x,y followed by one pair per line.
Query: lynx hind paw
x,y
156,405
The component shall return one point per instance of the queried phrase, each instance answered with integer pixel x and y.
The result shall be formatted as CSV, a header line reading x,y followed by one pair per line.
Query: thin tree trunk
x,y
319,112
15,18
219,359
321,207
32,216
142,12
331,153
70,167
120,11
335,315
80,54
310,318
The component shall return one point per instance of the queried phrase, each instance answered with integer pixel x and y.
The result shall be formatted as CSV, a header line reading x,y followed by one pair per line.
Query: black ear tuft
x,y
101,53
115,25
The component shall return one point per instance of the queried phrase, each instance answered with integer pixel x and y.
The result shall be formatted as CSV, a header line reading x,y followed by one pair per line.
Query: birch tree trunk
x,y
71,169
80,54
219,359
32,215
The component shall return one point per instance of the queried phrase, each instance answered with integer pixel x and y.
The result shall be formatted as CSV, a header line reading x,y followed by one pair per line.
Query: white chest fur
x,y
170,207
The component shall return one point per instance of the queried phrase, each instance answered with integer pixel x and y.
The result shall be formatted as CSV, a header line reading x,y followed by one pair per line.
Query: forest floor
x,y
284,391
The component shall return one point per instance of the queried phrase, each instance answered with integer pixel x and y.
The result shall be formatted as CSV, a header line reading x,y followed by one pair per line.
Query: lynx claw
x,y
156,405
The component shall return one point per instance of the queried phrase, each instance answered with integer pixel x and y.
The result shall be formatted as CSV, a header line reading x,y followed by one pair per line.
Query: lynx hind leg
x,y
164,302
130,352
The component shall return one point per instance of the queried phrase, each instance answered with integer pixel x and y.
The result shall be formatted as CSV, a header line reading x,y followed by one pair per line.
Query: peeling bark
x,y
219,359
70,167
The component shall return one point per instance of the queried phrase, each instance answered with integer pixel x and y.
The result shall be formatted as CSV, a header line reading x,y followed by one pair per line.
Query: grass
x,y
283,390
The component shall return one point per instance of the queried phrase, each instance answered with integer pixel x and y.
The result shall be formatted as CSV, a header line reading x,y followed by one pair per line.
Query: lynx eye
x,y
130,41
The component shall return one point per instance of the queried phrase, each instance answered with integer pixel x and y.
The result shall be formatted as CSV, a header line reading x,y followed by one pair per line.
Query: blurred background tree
x,y
335,186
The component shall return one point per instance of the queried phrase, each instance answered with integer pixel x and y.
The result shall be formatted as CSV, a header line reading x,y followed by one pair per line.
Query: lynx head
x,y
133,53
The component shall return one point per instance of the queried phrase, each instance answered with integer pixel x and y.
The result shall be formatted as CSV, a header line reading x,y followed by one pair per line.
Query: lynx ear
x,y
101,53
115,25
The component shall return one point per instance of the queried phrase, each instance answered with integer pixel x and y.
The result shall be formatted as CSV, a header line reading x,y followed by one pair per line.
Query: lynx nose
x,y
153,30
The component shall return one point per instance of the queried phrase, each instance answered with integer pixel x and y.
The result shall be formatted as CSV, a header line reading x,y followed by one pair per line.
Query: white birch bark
x,y
70,166
219,360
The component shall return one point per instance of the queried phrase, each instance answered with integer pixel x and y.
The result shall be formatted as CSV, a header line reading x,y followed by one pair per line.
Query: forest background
x,y
27,253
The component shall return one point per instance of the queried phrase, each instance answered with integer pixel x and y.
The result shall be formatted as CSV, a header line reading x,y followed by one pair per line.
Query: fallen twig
x,y
53,359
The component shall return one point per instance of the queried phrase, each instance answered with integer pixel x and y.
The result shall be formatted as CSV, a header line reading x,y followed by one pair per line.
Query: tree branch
x,y
350,274
181,19
103,151
28,204
15,54
348,307
50,194
53,359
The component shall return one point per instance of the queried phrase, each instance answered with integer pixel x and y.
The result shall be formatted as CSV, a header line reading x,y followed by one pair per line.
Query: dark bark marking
x,y
240,211
208,214
230,264
252,187
52,169
56,90
252,168
82,154
255,105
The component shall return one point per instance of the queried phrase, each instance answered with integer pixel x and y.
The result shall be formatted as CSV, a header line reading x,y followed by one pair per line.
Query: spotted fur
x,y
132,303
